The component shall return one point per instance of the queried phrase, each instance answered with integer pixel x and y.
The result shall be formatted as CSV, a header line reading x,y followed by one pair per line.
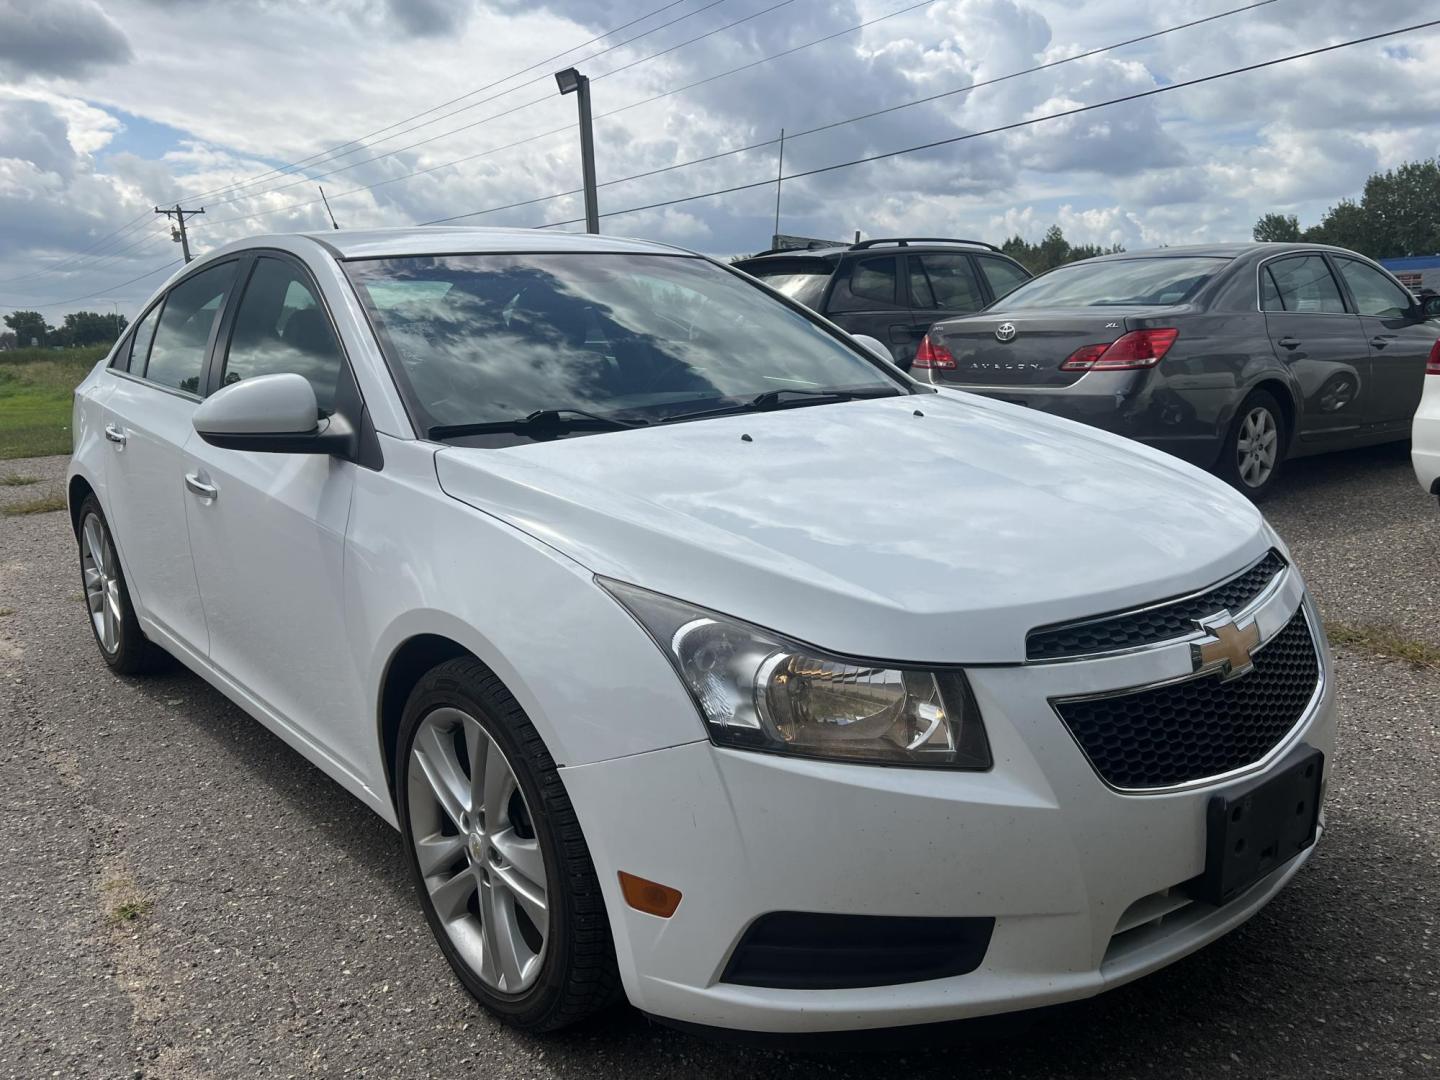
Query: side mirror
x,y
274,414
1430,306
875,345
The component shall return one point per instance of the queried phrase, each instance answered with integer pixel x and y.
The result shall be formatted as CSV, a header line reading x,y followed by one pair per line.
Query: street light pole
x,y
570,81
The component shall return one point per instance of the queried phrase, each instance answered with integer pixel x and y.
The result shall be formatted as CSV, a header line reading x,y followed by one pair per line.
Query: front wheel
x,y
1254,449
497,855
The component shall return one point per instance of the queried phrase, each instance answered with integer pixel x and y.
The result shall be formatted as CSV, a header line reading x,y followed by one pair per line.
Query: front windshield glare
x,y
1122,282
479,339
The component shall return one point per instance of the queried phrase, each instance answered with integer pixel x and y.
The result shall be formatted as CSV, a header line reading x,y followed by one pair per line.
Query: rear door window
x,y
944,283
802,282
1003,276
1303,284
137,349
177,356
868,284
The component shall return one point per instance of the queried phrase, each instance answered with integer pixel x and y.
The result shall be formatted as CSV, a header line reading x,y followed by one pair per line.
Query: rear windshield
x,y
478,339
1121,283
803,284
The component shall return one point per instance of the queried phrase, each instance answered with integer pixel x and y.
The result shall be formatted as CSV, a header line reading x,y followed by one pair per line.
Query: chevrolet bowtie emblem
x,y
1227,647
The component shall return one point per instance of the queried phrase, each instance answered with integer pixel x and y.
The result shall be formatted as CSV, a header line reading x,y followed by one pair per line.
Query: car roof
x,y
911,248
1219,251
450,240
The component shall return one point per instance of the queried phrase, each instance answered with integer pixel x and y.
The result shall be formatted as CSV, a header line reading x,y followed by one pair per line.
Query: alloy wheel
x,y
478,851
1257,447
102,583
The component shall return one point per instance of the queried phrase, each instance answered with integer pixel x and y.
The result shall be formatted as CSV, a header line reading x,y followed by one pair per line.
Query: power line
x,y
514,108
863,116
1013,126
483,101
279,171
570,127
108,288
87,249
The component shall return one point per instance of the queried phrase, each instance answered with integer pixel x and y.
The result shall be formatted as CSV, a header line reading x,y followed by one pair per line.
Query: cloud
x,y
61,38
428,18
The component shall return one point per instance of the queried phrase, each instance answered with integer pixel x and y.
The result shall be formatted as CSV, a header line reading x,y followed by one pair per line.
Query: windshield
x,y
1121,283
478,339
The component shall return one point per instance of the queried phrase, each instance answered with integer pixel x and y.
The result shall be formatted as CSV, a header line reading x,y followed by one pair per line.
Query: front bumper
x,y
1077,876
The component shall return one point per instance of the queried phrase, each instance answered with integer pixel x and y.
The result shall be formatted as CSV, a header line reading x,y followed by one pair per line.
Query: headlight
x,y
757,691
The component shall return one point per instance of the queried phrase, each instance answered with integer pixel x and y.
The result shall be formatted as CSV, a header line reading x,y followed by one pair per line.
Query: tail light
x,y
1432,366
1137,349
931,355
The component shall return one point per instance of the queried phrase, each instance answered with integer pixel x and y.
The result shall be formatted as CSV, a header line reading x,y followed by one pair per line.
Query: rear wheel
x,y
497,855
107,598
1254,450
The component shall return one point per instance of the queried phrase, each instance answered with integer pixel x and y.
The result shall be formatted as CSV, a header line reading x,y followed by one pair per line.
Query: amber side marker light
x,y
649,896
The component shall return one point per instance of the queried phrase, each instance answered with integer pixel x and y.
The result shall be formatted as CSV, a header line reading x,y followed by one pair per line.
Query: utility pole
x,y
179,234
570,81
779,179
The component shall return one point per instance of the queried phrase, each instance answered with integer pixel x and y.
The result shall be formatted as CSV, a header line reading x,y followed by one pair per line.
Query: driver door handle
x,y
200,488
114,434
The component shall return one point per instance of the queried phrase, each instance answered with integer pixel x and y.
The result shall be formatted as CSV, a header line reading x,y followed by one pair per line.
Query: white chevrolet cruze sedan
x,y
697,653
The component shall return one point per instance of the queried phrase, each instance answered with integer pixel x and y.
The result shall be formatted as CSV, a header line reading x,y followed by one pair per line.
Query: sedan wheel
x,y
1258,447
497,852
102,584
477,850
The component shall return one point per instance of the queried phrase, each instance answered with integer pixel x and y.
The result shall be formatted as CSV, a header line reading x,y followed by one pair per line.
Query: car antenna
x,y
333,223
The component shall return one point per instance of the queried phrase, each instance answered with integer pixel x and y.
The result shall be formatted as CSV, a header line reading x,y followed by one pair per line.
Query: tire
x,y
476,878
122,644
1252,468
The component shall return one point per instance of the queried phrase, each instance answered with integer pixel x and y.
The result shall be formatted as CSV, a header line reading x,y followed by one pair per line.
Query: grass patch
x,y
44,504
124,902
1386,642
37,388
16,480
4,611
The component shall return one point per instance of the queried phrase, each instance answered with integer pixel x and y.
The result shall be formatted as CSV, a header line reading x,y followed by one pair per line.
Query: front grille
x,y
1164,621
1203,727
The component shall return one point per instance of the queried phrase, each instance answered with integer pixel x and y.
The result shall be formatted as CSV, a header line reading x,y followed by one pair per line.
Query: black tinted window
x,y
1004,277
867,284
803,284
1303,283
136,351
1374,293
177,358
492,338
945,283
281,327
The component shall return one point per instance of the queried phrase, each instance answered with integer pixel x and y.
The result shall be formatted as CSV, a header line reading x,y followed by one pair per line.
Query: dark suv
x,y
892,289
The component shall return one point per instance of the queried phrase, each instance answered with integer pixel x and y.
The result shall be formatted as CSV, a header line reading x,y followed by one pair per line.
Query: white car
x,y
1425,429
696,652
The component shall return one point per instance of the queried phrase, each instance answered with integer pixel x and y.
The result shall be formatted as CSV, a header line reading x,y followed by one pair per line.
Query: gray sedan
x,y
1234,356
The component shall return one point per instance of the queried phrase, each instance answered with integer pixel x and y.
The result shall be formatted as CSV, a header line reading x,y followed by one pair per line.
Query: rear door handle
x,y
200,488
114,434
1381,340
1288,343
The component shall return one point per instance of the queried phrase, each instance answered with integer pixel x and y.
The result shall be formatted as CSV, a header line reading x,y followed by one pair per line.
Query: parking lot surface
x,y
185,897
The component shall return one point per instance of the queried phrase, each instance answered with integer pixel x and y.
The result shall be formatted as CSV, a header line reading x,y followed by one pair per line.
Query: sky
x,y
243,107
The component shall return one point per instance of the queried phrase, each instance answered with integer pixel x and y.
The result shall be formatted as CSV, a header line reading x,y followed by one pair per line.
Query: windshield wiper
x,y
774,399
542,423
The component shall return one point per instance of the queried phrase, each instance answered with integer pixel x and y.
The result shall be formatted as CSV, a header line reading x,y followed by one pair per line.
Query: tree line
x,y
1053,250
1398,214
28,328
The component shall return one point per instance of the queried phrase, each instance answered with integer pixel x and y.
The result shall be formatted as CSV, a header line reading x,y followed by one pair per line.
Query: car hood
x,y
933,528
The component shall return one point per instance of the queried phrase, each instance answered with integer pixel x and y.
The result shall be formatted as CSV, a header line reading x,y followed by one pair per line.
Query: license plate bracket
x,y
1254,827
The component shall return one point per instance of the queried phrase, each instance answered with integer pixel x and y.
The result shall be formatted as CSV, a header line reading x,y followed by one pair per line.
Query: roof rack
x,y
922,240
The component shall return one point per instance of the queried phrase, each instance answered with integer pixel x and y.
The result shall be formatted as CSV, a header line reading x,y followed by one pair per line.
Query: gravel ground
x,y
185,897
